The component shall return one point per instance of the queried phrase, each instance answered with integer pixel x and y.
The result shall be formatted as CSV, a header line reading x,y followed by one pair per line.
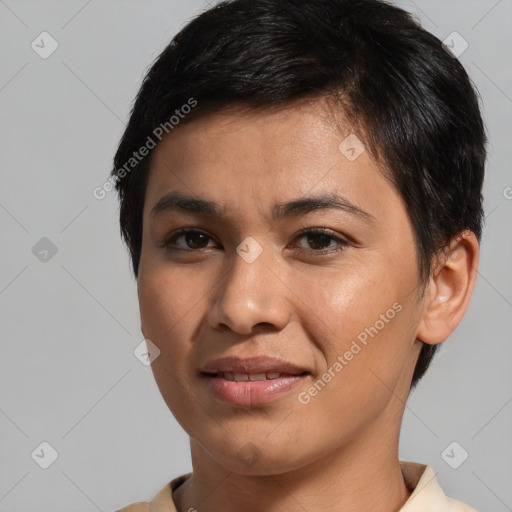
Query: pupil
x,y
192,238
322,236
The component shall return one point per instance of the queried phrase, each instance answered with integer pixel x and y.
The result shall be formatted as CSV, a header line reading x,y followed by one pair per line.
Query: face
x,y
284,299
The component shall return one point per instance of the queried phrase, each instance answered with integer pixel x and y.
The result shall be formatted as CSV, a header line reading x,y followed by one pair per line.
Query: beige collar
x,y
426,497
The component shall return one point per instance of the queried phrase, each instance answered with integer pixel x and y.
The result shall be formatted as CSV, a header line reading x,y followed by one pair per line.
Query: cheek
x,y
365,316
166,301
172,303
375,327
339,303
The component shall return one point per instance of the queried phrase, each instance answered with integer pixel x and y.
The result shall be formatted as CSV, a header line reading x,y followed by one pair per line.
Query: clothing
x,y
426,497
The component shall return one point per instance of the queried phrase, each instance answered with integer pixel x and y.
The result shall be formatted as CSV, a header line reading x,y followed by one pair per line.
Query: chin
x,y
263,464
255,455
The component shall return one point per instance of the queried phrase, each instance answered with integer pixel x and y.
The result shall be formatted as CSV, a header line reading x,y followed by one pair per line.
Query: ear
x,y
449,289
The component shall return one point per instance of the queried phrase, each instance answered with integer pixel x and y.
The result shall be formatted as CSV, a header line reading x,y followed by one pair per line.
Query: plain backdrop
x,y
69,312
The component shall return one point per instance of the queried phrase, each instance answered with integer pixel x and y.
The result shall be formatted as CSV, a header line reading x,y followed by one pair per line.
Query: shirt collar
x,y
426,492
427,495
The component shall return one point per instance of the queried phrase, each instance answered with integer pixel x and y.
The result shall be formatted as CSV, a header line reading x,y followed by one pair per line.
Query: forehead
x,y
252,158
285,132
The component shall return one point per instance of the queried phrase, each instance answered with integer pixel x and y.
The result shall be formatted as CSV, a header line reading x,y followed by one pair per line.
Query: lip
x,y
284,377
258,364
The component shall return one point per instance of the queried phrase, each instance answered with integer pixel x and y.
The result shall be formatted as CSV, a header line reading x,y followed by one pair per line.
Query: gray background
x,y
69,325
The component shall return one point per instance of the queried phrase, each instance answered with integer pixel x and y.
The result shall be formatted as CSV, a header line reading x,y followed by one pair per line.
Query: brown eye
x,y
320,240
191,240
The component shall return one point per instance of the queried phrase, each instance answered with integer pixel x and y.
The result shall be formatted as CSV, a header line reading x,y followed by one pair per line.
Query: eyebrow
x,y
302,206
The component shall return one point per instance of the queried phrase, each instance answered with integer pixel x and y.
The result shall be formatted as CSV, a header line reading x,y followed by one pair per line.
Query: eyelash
x,y
341,243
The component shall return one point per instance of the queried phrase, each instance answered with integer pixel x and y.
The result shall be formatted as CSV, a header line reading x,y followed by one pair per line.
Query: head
x,y
264,113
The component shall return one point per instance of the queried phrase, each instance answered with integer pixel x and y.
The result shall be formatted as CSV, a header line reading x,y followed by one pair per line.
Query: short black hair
x,y
409,99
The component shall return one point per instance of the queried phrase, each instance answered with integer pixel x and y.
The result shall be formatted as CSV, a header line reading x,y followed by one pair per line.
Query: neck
x,y
364,474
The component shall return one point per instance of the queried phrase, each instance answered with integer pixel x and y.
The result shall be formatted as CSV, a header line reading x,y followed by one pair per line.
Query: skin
x,y
339,451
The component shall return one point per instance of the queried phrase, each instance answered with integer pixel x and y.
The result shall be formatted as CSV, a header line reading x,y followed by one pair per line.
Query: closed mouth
x,y
245,377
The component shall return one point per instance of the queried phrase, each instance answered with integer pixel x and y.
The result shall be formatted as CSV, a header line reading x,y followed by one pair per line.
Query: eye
x,y
193,239
318,238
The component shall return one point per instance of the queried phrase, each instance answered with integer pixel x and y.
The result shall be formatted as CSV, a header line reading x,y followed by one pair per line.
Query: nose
x,y
249,296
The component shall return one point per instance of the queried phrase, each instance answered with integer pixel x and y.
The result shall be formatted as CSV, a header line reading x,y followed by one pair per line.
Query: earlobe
x,y
449,290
